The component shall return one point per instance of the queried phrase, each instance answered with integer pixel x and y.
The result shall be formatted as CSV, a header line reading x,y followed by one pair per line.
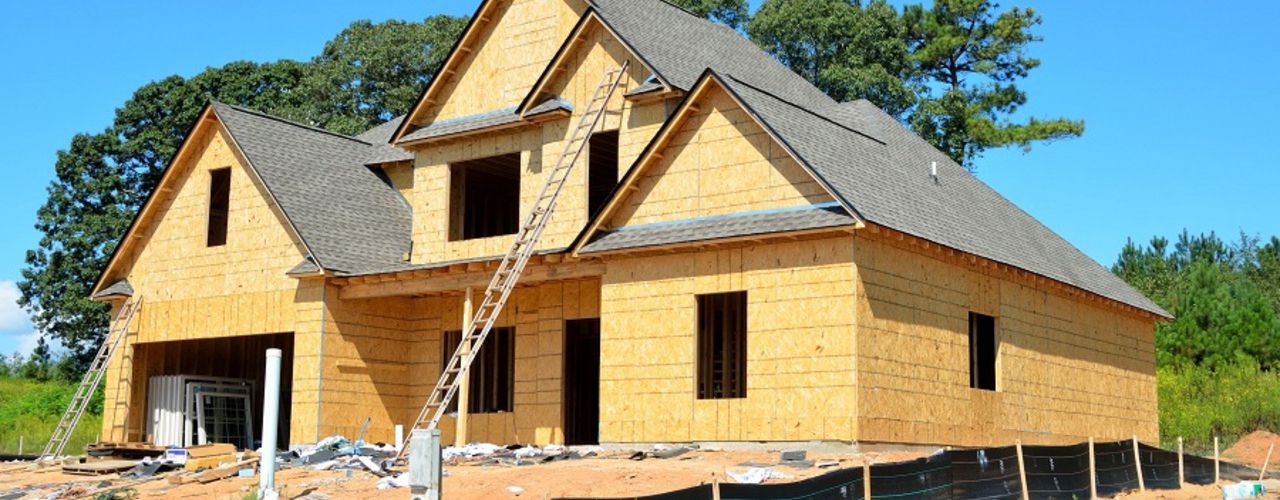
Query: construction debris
x,y
756,475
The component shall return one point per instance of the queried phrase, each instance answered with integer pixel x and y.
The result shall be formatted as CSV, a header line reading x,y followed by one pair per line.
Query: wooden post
x,y
464,390
1262,475
1022,472
1137,464
1093,471
715,488
1217,471
20,443
1181,469
866,480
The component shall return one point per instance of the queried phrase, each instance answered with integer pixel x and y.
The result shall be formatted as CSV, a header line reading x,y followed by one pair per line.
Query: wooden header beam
x,y
457,282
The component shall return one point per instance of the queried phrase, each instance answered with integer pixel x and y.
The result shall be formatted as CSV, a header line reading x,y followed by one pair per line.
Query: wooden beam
x,y
462,279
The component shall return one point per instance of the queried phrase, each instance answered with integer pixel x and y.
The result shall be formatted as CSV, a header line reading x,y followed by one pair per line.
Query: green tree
x,y
732,13
971,57
847,50
949,70
1221,296
371,72
102,179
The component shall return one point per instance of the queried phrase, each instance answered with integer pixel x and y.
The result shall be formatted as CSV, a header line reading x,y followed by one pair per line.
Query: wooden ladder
x,y
513,263
92,378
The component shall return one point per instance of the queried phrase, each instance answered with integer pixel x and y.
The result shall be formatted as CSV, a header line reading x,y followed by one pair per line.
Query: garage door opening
x,y
209,390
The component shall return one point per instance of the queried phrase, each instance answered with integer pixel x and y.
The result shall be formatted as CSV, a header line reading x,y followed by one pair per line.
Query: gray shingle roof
x,y
346,216
663,36
480,121
721,227
380,137
889,183
120,288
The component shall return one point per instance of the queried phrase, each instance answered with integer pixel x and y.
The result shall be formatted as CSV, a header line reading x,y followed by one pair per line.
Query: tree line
x,y
949,70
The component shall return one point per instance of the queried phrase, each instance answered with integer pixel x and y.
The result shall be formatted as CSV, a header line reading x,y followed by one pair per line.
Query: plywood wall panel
x,y
799,373
1068,369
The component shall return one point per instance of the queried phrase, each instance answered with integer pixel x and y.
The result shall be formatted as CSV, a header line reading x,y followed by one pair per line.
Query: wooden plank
x,y
477,279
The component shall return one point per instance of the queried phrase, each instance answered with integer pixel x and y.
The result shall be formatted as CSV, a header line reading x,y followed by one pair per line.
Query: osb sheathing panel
x,y
195,291
800,345
382,357
401,176
1067,369
503,63
718,162
539,150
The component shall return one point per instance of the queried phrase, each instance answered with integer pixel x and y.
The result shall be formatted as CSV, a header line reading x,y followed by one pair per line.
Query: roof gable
x,y
513,38
710,97
348,218
207,147
558,66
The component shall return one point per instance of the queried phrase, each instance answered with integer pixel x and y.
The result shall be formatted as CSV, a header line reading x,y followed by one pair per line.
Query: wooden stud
x,y
1137,464
1022,472
464,389
1263,474
1181,469
1217,469
1093,471
866,480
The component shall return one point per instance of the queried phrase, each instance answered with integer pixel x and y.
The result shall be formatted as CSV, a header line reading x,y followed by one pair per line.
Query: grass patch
x,y
1198,403
30,409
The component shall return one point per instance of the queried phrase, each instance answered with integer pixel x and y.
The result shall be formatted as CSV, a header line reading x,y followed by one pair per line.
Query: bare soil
x,y
1251,450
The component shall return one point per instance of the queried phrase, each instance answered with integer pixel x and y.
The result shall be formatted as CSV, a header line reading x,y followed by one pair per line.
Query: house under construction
x,y
734,257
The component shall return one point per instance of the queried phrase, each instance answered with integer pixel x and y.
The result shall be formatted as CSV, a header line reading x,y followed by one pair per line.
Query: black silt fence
x,y
843,484
700,492
1052,472
1115,469
1057,472
925,478
1159,468
1197,470
986,474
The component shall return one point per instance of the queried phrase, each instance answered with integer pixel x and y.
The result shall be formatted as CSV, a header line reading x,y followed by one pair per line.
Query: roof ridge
x,y
287,121
804,109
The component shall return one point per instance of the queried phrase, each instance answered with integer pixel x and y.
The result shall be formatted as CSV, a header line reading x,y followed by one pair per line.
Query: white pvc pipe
x,y
270,421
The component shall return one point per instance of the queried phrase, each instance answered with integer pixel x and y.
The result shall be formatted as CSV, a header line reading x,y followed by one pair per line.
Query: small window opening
x,y
492,374
602,170
982,351
722,345
484,197
219,206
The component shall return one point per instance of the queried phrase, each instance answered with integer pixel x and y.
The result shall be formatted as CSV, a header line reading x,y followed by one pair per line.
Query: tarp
x,y
990,473
843,484
923,478
1057,471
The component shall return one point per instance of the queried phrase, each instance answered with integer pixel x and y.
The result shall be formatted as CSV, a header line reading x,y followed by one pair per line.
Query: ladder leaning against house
x,y
92,378
508,273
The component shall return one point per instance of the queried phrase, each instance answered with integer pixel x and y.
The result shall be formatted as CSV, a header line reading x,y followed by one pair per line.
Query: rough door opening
x,y
215,362
484,197
602,170
582,381
492,373
982,352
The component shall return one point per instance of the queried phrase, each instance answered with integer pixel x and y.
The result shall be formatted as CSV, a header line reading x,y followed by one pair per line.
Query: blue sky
x,y
1179,100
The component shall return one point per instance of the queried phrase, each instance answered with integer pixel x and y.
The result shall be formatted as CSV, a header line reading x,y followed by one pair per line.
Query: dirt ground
x,y
610,475
1252,449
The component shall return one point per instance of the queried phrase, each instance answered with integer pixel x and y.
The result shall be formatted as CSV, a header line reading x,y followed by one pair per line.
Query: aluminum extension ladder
x,y
92,378
508,274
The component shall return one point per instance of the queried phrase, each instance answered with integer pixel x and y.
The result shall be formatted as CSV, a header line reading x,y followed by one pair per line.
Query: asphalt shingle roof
x,y
343,212
121,288
380,137
480,121
356,224
888,181
720,227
